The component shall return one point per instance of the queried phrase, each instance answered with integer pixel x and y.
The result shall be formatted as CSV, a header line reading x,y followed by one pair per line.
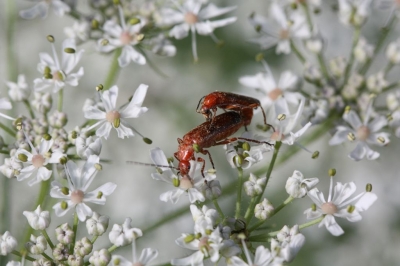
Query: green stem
x,y
218,208
250,210
299,55
7,129
60,100
310,223
239,192
323,67
114,70
44,233
46,256
356,37
276,210
385,32
44,191
94,239
29,107
19,254
112,249
75,229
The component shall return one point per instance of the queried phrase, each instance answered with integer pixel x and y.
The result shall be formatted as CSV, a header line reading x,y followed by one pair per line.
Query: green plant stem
x,y
323,67
299,55
239,192
44,233
385,32
44,191
19,254
60,100
8,130
94,239
29,107
112,249
356,37
276,210
218,208
46,256
302,226
114,70
75,229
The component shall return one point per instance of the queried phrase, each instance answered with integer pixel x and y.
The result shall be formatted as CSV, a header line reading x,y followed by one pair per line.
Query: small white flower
x,y
297,187
363,50
79,179
263,210
191,184
205,214
339,204
36,245
337,66
83,247
64,234
122,235
79,31
282,31
354,12
13,263
377,82
147,255
38,219
393,52
113,118
160,45
41,9
6,105
42,102
7,243
56,74
88,146
212,189
272,90
190,16
97,224
255,185
18,91
37,160
290,242
316,111
126,36
363,133
11,167
100,258
351,89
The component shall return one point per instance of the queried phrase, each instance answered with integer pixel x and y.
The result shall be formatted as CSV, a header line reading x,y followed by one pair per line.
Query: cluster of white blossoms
x,y
342,96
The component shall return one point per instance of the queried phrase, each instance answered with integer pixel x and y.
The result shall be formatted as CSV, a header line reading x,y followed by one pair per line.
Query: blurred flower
x,y
38,219
205,214
290,241
162,46
147,255
393,52
11,167
36,245
354,12
6,105
7,243
125,36
79,31
190,16
79,179
377,82
88,146
339,204
41,9
18,91
122,235
297,186
113,118
56,75
363,50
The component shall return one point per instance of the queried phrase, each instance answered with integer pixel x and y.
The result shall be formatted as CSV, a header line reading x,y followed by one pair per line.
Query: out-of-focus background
x,y
172,100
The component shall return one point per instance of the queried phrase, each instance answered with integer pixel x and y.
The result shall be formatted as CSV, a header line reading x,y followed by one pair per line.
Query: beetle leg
x,y
201,160
205,152
230,140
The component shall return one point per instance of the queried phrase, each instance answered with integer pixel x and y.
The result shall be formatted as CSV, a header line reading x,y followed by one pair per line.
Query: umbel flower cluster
x,y
353,99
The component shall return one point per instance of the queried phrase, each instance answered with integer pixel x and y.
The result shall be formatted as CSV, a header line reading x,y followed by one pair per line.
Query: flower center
x,y
190,18
57,75
284,34
112,116
329,208
363,133
77,196
38,160
275,93
203,245
185,183
277,136
125,38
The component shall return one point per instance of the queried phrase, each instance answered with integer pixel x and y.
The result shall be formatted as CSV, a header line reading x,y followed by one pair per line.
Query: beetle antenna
x,y
152,164
197,109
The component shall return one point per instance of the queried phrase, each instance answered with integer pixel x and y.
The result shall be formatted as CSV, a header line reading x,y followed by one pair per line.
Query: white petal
x,y
195,259
39,10
378,123
83,211
179,31
105,190
366,201
278,14
340,135
72,79
109,98
61,212
94,113
212,10
104,130
43,174
134,109
172,196
124,130
148,254
359,152
195,195
332,226
353,119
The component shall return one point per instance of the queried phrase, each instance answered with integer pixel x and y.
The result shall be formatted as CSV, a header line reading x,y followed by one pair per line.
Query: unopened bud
x,y
50,38
69,50
332,172
147,141
315,155
368,187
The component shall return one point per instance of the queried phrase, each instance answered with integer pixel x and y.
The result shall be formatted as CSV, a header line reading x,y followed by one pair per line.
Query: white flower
x,y
122,235
11,167
6,105
162,46
339,204
100,258
272,90
337,66
7,243
263,210
285,123
125,36
147,255
363,133
205,214
38,219
37,161
42,102
191,184
393,52
297,187
351,88
255,185
79,31
41,9
64,234
79,179
290,242
377,82
13,263
354,12
190,16
316,111
36,245
363,50
18,91
88,146
97,224
113,118
56,75
282,31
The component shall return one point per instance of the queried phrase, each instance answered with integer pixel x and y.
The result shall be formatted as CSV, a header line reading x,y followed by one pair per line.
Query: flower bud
x,y
122,235
100,258
64,234
74,260
7,243
60,252
97,224
38,219
37,245
83,247
254,186
212,189
263,210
